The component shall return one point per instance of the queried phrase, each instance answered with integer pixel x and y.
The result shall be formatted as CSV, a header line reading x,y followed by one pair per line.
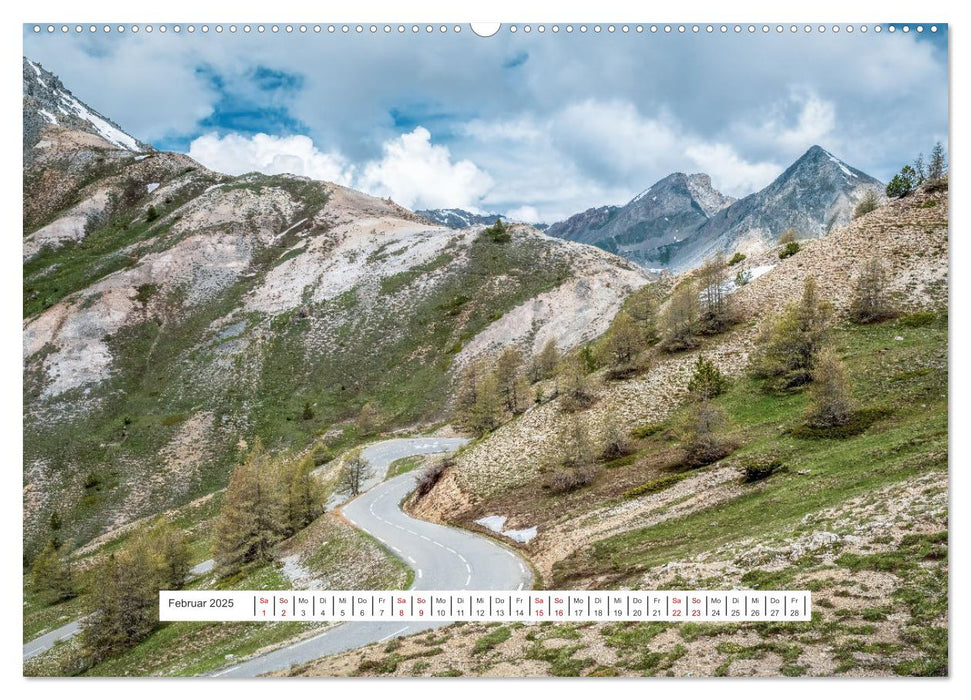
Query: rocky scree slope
x,y
173,314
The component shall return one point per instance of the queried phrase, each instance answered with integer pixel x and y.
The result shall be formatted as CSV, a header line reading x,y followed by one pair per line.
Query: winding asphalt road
x,y
443,558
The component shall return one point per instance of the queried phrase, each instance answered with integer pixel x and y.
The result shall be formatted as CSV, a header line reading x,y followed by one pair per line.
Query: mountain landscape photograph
x,y
405,308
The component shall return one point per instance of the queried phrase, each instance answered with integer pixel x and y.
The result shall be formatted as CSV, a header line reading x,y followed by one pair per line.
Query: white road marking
x,y
451,550
468,568
439,544
427,539
384,639
520,586
463,558
468,579
419,573
412,560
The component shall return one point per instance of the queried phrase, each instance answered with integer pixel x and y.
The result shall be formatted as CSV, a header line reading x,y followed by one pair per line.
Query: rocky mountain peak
x,y
48,102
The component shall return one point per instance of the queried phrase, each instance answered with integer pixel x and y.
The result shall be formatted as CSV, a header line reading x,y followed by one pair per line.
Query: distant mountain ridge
x,y
682,219
458,218
666,213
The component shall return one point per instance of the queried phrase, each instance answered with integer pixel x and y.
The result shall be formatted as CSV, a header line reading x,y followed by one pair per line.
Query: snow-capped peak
x,y
56,105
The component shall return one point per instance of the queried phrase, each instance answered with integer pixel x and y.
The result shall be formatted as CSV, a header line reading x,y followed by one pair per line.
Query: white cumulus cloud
x,y
412,170
421,175
236,154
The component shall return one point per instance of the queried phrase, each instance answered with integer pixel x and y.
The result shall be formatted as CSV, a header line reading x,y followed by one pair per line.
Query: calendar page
x,y
523,349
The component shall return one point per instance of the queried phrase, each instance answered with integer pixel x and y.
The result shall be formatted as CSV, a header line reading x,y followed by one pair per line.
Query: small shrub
x,y
151,214
788,236
569,479
790,249
918,319
871,295
498,232
759,468
616,444
858,423
701,440
173,419
431,476
707,382
646,431
903,183
737,258
490,641
867,203
308,411
830,404
625,461
656,485
382,666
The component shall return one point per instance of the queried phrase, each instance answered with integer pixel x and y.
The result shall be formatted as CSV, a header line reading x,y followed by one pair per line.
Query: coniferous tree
x,y
125,602
788,349
510,380
545,362
575,386
867,203
623,344
871,295
354,474
716,314
615,442
830,403
920,170
51,577
937,166
249,522
303,492
707,382
902,183
679,322
701,434
486,413
173,552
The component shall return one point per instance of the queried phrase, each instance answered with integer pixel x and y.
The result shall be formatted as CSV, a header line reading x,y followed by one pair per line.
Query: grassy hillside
x,y
176,329
859,520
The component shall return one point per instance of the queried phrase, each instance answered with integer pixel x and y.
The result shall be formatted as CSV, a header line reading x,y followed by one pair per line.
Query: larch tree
x,y
623,344
249,522
51,577
787,351
510,380
354,474
871,300
679,321
303,496
545,362
715,313
830,403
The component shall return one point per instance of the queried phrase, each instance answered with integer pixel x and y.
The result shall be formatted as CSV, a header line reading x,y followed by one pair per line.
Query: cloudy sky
x,y
538,126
